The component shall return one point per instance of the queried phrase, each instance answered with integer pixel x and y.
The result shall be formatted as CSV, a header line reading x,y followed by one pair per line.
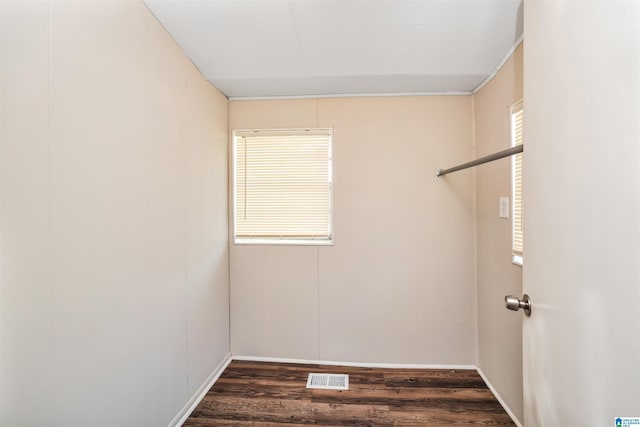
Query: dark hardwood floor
x,y
274,394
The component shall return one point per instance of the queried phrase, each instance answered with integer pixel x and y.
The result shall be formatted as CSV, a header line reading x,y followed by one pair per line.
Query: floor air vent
x,y
328,381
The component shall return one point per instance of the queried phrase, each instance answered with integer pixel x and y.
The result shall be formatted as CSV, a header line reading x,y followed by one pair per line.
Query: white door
x,y
582,212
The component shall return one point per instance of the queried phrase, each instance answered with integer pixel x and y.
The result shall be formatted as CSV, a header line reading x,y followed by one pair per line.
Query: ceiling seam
x,y
295,29
348,95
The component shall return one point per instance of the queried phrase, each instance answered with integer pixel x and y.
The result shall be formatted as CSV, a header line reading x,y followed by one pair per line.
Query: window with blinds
x,y
283,186
516,139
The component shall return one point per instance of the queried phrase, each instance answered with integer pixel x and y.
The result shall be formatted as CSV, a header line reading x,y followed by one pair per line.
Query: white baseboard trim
x,y
495,393
353,364
191,404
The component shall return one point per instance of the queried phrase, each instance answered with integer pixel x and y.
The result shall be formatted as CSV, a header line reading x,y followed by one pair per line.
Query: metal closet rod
x,y
490,158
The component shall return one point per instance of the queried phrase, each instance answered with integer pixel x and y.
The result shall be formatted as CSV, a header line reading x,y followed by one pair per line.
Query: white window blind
x,y
517,112
283,185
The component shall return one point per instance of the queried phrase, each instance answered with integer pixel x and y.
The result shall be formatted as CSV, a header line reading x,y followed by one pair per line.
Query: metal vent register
x,y
328,381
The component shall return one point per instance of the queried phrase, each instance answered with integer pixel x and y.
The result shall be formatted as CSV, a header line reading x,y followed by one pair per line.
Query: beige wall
x,y
499,330
398,285
113,218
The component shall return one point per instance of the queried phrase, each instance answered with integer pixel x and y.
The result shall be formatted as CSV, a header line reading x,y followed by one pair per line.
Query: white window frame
x,y
517,256
283,240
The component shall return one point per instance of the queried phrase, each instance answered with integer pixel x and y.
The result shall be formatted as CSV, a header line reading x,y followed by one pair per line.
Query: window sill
x,y
283,242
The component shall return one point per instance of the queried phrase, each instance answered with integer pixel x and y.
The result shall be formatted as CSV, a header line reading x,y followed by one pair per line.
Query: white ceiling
x,y
264,48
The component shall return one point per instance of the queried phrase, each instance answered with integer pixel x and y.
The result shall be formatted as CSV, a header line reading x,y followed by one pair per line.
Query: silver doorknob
x,y
514,303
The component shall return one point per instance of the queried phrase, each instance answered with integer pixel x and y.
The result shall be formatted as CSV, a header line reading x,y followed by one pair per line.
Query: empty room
x,y
319,212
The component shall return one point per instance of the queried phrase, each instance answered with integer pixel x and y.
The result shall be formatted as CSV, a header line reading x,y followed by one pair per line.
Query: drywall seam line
x,y
186,254
230,202
119,144
318,260
500,64
50,202
318,296
474,184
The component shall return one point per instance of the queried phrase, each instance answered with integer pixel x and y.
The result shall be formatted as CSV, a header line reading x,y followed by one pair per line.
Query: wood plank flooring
x,y
274,394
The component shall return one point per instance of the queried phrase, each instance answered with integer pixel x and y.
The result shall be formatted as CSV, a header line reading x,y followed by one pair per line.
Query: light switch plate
x,y
504,207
